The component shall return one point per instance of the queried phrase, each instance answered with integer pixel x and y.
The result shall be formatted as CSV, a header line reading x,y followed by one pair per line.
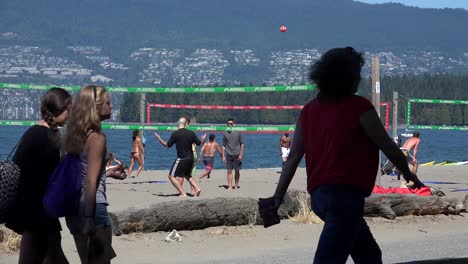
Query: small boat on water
x,y
456,163
441,164
445,163
430,163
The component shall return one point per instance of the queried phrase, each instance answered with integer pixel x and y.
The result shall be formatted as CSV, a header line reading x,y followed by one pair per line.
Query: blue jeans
x,y
101,219
345,232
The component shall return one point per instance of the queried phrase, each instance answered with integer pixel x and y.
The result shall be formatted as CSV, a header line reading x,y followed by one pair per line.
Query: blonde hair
x,y
84,117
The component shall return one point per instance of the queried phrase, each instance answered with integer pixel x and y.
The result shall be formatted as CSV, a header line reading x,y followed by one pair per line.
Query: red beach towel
x,y
424,191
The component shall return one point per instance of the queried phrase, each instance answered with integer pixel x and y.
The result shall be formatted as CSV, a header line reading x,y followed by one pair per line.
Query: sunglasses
x,y
230,124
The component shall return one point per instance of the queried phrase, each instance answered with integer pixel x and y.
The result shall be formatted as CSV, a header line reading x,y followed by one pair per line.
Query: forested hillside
x,y
121,26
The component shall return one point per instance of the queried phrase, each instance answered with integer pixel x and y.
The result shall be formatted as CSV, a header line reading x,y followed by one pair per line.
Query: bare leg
x,y
206,173
176,184
415,167
54,252
81,242
33,247
130,168
229,178
237,177
108,237
90,248
140,163
195,189
180,180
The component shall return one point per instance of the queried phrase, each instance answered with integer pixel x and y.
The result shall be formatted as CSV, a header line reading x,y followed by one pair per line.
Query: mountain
x,y
123,25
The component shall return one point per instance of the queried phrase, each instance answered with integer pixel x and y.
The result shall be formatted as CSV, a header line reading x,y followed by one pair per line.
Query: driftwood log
x,y
202,213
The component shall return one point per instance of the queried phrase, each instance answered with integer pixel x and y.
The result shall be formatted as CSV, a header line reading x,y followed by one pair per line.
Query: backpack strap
x,y
89,133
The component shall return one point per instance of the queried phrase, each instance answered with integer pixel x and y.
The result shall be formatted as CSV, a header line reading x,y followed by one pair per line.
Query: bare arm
x,y
221,152
201,152
374,129
224,148
202,139
290,167
140,147
281,145
241,152
95,148
416,148
164,143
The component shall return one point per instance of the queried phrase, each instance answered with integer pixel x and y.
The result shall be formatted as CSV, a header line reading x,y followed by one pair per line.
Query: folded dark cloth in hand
x,y
268,208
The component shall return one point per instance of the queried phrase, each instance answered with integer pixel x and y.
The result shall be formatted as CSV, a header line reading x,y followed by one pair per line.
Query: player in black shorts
x,y
182,166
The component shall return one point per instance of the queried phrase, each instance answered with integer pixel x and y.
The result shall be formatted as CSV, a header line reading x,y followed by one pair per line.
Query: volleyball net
x,y
420,113
437,114
164,127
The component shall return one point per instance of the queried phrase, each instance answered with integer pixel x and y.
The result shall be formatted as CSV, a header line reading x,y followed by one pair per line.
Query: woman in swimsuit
x,y
137,152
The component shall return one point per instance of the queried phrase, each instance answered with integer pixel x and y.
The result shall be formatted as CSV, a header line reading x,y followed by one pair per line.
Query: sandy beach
x,y
426,236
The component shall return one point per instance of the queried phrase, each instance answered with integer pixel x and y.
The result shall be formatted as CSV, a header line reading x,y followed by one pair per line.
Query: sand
x,y
255,244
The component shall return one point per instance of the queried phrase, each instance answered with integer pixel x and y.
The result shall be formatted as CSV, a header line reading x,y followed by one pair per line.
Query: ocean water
x,y
261,150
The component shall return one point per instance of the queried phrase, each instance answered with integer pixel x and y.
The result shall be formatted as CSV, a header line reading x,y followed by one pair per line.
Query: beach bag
x,y
9,183
62,197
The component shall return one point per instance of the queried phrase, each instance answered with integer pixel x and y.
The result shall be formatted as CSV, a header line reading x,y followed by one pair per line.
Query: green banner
x,y
200,128
37,87
437,101
432,101
249,89
408,113
463,128
17,123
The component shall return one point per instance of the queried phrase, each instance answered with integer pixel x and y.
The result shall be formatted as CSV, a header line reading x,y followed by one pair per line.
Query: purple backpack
x,y
62,197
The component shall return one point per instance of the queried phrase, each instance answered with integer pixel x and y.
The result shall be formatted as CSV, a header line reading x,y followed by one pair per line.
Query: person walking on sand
x,y
91,228
329,130
285,147
194,166
182,166
233,150
136,154
207,153
37,155
412,143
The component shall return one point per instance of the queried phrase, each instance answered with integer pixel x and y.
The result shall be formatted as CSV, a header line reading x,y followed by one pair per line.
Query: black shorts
x,y
408,156
182,167
233,162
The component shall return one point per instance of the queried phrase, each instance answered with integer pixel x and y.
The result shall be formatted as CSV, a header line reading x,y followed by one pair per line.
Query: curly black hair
x,y
338,73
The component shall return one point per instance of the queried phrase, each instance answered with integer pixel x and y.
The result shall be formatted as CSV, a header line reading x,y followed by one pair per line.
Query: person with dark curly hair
x,y
340,134
37,155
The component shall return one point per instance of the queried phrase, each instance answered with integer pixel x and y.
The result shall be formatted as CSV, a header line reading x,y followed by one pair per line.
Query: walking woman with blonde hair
x,y
91,229
37,155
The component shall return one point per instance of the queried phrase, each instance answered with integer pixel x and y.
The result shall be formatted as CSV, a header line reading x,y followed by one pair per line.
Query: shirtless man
x,y
285,145
412,143
209,149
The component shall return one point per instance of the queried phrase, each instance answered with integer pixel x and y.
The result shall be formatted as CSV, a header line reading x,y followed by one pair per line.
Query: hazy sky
x,y
425,3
